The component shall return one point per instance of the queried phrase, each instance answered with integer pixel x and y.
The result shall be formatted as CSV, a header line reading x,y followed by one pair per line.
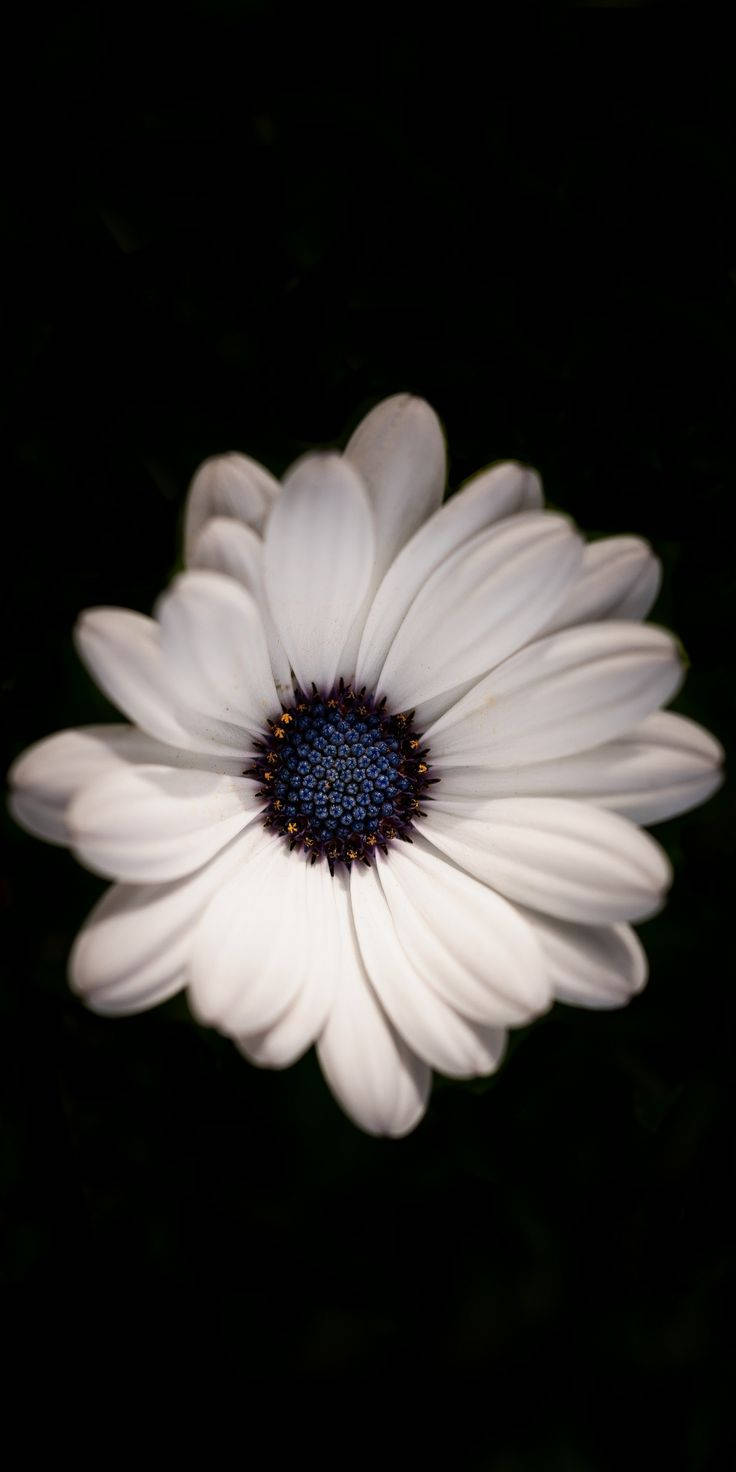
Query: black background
x,y
221,237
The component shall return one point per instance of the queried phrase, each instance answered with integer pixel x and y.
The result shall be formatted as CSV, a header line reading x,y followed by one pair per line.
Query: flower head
x,y
385,769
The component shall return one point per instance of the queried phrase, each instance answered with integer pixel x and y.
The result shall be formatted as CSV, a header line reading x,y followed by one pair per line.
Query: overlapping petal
x,y
214,649
398,450
134,949
597,966
489,497
228,485
375,1077
562,694
469,942
150,824
319,552
305,1017
257,972
122,651
435,1030
484,601
564,858
47,775
663,766
619,577
227,546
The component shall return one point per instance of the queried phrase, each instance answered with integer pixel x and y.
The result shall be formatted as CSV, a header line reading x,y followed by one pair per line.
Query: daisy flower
x,y
385,769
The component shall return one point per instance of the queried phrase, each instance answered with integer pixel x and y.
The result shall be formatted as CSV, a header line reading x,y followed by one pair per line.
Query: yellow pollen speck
x,y
413,745
352,853
272,757
291,827
285,718
422,767
371,839
268,776
278,804
278,734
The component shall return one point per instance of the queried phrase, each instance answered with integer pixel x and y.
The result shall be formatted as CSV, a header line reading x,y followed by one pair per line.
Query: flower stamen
x,y
342,776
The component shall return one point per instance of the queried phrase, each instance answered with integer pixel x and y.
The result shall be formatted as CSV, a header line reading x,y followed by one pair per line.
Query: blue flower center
x,y
341,776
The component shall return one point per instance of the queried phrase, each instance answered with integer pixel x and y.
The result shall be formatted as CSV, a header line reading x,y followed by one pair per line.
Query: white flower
x,y
274,684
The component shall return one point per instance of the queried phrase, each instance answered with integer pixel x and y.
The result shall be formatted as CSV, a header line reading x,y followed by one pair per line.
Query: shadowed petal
x,y
487,498
480,605
224,545
619,577
562,694
434,1030
664,766
598,966
319,553
228,485
134,948
375,1077
214,648
564,858
470,943
149,824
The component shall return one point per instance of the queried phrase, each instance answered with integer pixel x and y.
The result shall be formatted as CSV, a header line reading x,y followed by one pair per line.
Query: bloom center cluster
x,y
341,776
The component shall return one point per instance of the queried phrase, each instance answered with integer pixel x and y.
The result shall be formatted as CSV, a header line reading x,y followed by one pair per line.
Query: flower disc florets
x,y
341,775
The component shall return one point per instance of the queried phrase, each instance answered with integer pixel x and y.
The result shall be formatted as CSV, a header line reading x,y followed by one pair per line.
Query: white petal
x,y
306,1015
46,776
676,763
562,694
115,1002
434,1030
37,817
133,951
663,766
318,561
563,858
486,600
399,453
495,493
427,712
228,485
254,951
375,1078
471,944
596,966
122,652
149,824
619,578
50,773
224,545
214,647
